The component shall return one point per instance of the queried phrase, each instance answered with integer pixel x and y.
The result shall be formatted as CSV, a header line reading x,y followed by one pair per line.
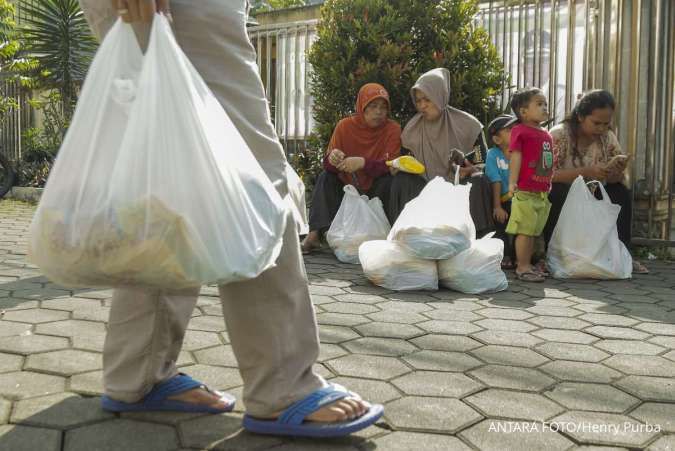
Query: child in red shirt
x,y
530,174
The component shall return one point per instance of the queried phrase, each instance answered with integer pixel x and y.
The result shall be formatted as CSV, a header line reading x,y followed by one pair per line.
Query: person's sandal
x,y
308,248
530,276
541,268
508,264
639,268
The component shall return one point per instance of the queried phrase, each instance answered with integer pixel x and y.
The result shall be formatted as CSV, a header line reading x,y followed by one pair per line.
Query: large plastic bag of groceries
x,y
153,185
296,201
436,224
585,242
388,265
357,220
477,269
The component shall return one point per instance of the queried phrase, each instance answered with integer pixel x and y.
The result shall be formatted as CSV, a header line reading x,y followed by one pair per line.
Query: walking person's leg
x,y
271,320
146,327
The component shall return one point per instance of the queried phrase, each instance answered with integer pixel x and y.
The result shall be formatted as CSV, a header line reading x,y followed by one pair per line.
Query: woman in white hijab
x,y
439,136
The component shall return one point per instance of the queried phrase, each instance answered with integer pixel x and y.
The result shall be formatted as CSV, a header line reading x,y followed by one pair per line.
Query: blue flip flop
x,y
292,420
158,398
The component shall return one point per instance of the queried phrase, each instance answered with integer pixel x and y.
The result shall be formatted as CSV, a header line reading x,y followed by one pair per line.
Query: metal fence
x,y
282,61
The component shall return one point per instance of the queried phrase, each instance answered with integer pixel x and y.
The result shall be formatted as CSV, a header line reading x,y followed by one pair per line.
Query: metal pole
x,y
520,61
569,79
268,66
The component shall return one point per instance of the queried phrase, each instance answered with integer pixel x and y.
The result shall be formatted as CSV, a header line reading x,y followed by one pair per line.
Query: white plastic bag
x,y
153,185
436,224
357,220
475,270
387,264
296,201
585,242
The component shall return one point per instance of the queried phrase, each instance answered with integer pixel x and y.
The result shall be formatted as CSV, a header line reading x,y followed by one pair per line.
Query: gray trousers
x,y
270,320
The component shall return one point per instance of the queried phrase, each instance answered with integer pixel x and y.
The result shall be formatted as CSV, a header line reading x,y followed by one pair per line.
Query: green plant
x,y
41,144
393,42
57,35
14,64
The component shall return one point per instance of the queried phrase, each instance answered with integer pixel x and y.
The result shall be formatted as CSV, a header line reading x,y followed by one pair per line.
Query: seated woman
x,y
357,154
585,145
439,136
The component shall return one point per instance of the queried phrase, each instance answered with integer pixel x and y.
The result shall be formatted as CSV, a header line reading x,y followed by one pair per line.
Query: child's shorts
x,y
529,213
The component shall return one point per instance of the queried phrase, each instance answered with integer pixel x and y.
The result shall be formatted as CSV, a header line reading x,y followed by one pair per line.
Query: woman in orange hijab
x,y
357,154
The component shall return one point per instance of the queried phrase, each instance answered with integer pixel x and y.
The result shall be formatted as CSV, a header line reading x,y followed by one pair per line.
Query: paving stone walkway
x,y
563,365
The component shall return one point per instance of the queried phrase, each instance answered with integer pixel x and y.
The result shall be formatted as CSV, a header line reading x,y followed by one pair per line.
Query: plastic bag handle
x,y
351,190
457,175
605,196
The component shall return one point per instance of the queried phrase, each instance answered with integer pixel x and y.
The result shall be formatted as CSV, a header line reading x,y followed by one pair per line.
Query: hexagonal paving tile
x,y
642,365
565,336
95,313
336,334
514,405
603,429
71,304
593,397
65,363
341,319
554,311
87,383
406,441
374,391
330,352
9,328
580,371
36,316
570,351
430,414
449,327
649,388
430,383
59,411
657,328
24,438
509,355
666,342
26,384
29,344
40,293
350,307
559,322
441,361
452,315
502,337
71,328
10,362
371,367
608,319
325,290
656,413
122,434
195,339
446,343
207,323
359,298
512,377
629,347
504,313
218,355
496,435
397,316
624,333
506,325
389,330
380,346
